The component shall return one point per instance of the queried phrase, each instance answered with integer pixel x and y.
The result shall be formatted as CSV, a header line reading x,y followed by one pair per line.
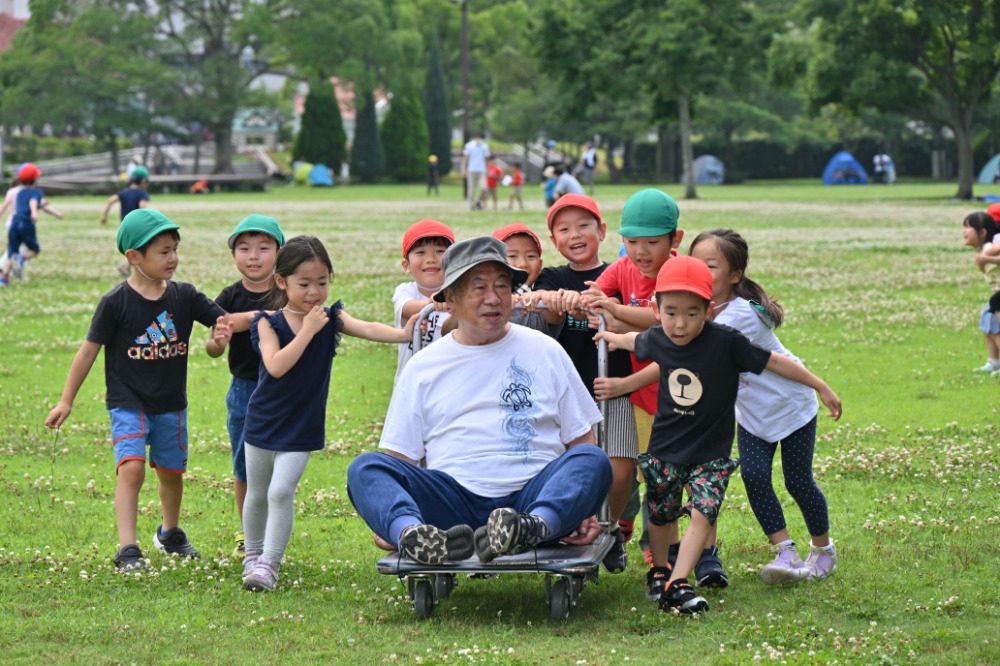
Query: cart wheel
x,y
443,585
560,601
423,598
578,584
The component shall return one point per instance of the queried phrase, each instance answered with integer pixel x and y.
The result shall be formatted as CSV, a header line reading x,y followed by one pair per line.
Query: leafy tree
x,y
82,69
367,154
322,139
217,50
935,58
436,109
405,138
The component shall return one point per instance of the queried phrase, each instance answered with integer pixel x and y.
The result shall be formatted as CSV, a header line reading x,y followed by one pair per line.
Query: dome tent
x,y
843,169
709,170
319,176
989,171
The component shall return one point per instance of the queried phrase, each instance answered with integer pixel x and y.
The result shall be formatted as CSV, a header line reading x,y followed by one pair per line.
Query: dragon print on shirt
x,y
517,423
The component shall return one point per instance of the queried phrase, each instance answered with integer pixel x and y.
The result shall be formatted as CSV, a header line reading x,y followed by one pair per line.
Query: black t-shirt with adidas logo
x,y
146,344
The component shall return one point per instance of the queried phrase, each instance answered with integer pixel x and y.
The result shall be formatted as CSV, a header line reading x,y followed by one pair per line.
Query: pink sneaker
x,y
263,578
820,563
786,568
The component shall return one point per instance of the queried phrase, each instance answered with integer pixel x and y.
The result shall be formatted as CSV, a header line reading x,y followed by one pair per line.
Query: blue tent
x,y
319,176
709,170
843,169
989,171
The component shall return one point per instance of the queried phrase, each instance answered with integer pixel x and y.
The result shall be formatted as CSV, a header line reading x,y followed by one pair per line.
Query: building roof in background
x,y
8,28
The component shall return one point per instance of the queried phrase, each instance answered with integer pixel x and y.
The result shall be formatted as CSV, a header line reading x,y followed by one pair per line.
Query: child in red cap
x,y
700,364
524,251
576,229
22,237
424,244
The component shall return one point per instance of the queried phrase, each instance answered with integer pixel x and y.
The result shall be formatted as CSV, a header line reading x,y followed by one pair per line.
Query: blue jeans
x,y
237,399
390,494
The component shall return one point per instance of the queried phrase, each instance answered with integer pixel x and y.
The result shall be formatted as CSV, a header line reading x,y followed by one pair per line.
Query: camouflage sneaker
x,y
428,544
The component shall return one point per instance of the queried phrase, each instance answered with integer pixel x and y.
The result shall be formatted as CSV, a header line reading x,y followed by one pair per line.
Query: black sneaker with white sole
x,y
129,558
709,572
508,532
174,542
428,544
656,582
680,597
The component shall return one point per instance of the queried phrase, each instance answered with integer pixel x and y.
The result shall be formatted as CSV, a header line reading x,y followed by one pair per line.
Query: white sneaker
x,y
17,266
987,367
786,568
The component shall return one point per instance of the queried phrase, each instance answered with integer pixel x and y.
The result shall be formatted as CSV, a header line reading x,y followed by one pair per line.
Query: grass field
x,y
881,300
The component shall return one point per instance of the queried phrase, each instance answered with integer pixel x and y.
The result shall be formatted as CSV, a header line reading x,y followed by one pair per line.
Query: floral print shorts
x,y
665,483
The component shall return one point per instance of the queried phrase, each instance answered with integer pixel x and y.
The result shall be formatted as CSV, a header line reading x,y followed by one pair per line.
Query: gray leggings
x,y
269,509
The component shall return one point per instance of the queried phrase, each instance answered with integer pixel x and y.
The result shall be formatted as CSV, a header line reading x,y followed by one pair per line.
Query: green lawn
x,y
881,300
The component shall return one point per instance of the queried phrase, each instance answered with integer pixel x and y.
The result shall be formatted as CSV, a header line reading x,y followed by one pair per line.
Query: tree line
x,y
625,72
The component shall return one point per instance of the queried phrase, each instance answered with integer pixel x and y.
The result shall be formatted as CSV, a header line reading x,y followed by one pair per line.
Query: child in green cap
x,y
254,245
144,324
131,198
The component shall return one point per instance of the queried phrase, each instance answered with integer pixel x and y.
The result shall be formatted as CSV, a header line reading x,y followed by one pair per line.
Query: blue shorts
x,y
22,232
237,400
165,434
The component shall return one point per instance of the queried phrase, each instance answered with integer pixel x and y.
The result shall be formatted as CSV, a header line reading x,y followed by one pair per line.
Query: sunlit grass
x,y
881,300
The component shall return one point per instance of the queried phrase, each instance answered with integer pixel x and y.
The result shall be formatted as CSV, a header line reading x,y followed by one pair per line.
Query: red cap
x,y
683,273
426,228
577,200
28,172
503,233
994,211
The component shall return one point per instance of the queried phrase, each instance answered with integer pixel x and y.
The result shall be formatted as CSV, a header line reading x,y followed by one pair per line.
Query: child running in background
x,y
549,185
576,229
524,251
286,417
131,198
700,364
516,182
494,172
979,231
144,325
22,237
770,411
424,244
254,243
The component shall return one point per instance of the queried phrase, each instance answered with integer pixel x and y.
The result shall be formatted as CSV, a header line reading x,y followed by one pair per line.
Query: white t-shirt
x,y
409,291
477,150
568,184
490,416
768,405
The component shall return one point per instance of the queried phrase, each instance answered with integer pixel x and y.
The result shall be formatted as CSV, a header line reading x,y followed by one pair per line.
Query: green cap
x,y
141,226
649,213
140,172
263,224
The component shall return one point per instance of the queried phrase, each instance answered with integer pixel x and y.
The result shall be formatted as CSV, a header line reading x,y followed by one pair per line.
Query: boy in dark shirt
x,y
144,324
700,364
254,245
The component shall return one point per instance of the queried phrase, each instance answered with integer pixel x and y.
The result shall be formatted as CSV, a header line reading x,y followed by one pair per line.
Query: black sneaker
x,y
656,582
709,572
617,558
680,597
508,532
130,558
428,544
174,541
